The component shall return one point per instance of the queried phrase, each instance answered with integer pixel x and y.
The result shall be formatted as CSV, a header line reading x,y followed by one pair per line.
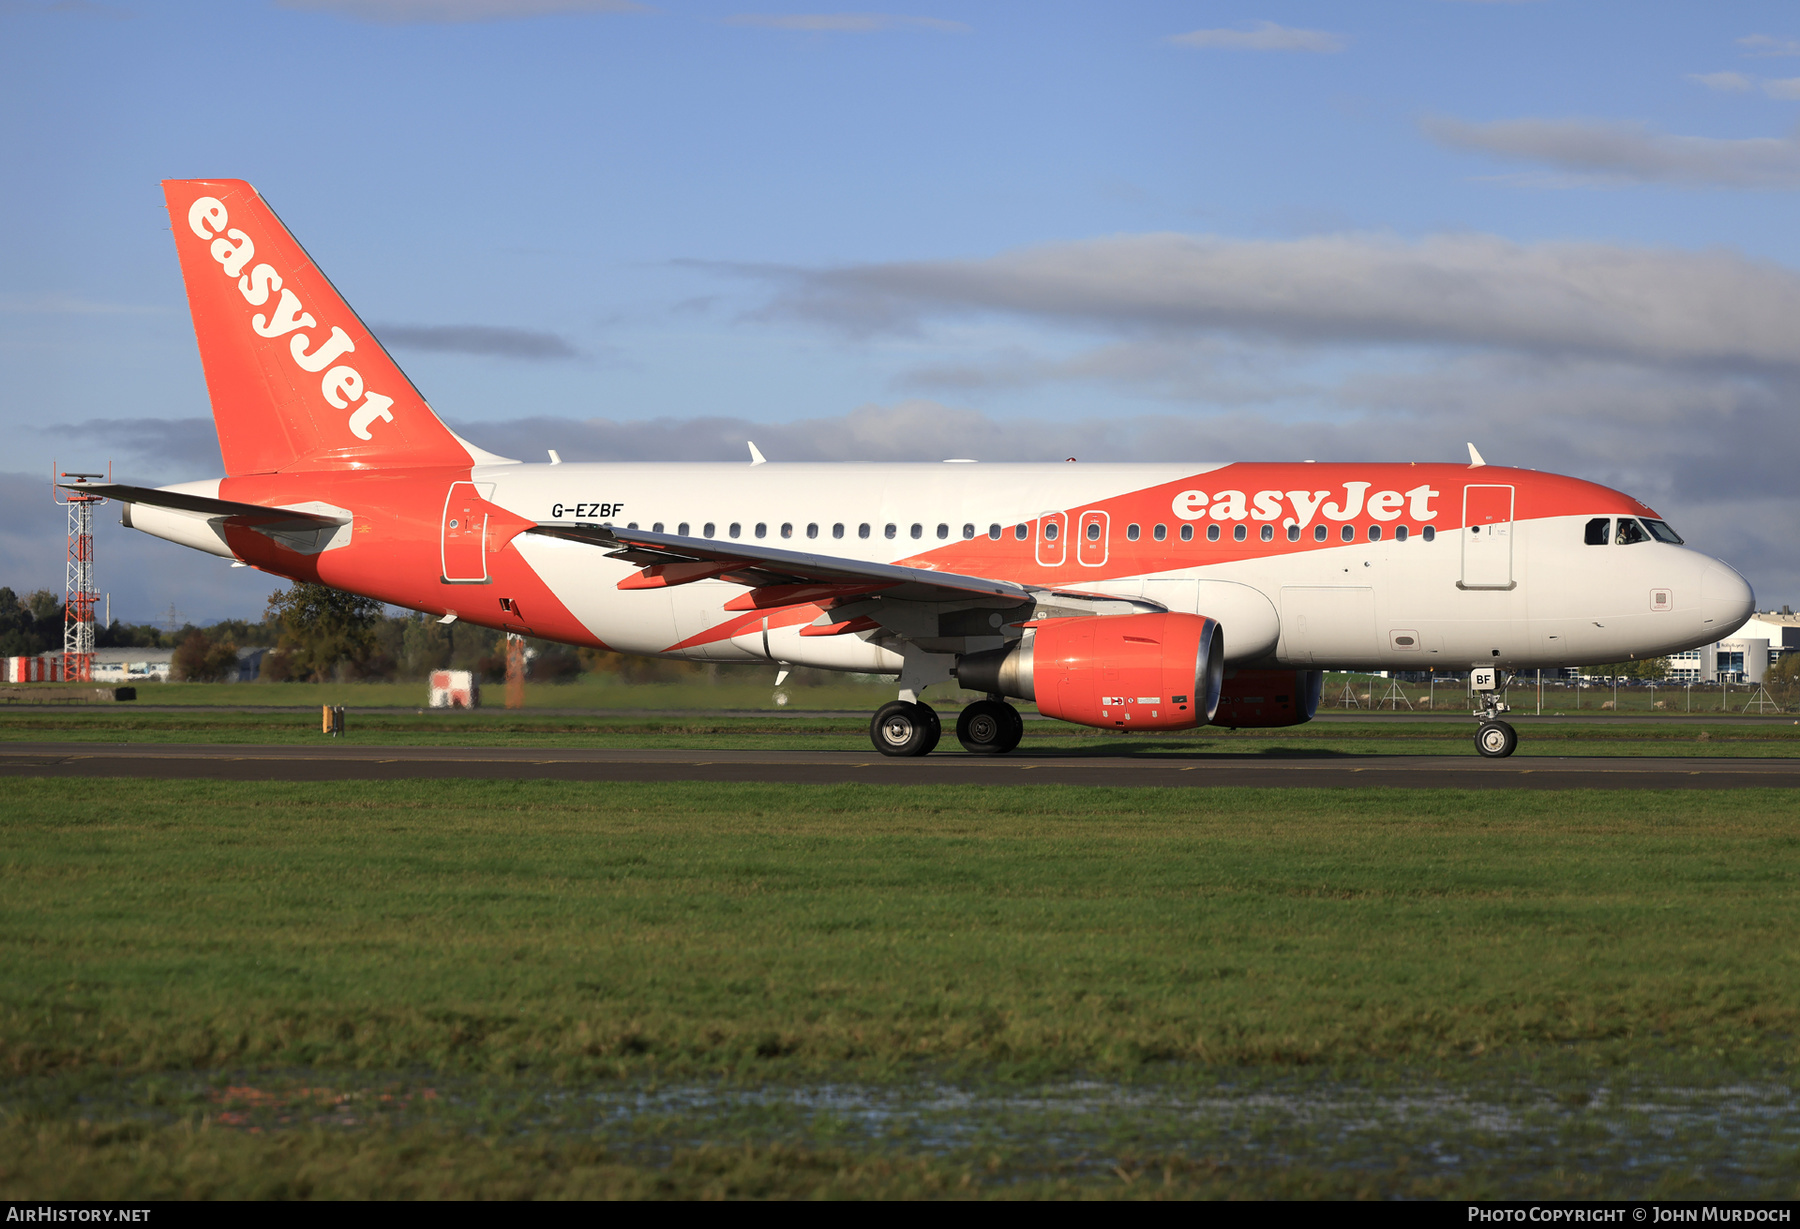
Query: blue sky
x,y
1564,230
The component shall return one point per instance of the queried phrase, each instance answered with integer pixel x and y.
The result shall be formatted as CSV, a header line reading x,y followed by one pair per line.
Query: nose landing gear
x,y
1495,739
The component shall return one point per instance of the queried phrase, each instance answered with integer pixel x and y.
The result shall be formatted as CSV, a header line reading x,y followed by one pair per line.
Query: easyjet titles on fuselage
x,y
1194,505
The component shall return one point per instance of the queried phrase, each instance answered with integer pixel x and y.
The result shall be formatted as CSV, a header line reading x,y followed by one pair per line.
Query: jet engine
x,y
1263,699
1141,671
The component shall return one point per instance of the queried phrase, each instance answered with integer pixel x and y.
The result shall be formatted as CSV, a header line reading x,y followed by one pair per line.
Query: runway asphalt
x,y
324,762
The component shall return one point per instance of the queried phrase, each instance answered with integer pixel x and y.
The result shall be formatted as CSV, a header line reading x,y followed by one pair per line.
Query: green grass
x,y
595,691
415,990
497,727
614,929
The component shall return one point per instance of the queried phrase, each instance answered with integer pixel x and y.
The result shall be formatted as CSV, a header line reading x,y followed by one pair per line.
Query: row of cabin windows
x,y
1239,533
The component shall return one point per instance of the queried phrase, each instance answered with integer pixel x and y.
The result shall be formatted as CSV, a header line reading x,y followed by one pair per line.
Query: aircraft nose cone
x,y
1725,599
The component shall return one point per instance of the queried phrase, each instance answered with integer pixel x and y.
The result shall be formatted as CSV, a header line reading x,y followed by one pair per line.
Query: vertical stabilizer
x,y
297,381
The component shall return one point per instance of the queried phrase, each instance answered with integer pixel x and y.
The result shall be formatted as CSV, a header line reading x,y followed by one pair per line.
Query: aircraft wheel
x,y
988,727
1496,740
901,728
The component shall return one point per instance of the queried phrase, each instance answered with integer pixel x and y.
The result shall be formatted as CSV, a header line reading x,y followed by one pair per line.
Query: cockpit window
x,y
1630,533
1661,532
1599,530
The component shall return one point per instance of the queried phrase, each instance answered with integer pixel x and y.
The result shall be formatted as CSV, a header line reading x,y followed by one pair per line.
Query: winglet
x,y
1475,460
756,456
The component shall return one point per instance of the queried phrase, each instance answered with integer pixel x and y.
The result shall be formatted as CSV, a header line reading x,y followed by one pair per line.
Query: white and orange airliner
x,y
1153,596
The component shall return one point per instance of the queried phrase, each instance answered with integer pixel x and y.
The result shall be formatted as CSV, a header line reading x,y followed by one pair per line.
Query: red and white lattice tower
x,y
79,597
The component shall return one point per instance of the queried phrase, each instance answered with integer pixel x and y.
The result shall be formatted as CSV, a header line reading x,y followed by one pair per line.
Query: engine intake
x,y
1143,671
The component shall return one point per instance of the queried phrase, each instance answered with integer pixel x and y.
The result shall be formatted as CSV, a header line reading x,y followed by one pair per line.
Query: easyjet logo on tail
x,y
341,385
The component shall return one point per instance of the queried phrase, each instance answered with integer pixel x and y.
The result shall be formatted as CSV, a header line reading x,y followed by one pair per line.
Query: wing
x,y
777,577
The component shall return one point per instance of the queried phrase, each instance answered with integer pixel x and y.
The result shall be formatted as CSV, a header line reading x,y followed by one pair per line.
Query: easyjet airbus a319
x,y
1155,596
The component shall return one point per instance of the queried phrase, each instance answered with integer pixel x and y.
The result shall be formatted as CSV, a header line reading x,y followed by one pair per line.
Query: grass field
x,y
500,728
743,687
182,956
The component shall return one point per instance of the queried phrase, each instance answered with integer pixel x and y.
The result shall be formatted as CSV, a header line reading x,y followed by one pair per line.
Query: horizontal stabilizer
x,y
248,513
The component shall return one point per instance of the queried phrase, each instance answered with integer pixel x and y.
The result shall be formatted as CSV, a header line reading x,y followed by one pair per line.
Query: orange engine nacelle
x,y
1255,699
1141,671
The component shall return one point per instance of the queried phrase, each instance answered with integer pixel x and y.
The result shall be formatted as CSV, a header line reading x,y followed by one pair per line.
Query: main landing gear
x,y
989,727
1495,739
986,727
905,728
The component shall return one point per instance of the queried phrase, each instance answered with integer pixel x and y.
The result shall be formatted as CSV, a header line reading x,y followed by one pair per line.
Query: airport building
x,y
1744,657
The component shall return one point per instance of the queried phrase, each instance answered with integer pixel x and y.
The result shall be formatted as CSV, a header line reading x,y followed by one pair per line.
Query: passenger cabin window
x,y
1021,532
1429,533
1348,533
1049,531
1318,533
1661,532
656,528
708,532
1131,532
762,529
812,531
787,530
1187,533
1374,533
1293,533
993,533
736,529
1212,533
918,530
862,531
682,529
1239,533
968,532
943,532
891,531
1630,533
1160,532
837,530
1399,533
1268,533
1599,531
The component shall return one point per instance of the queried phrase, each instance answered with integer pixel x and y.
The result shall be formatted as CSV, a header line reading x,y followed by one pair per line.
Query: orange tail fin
x,y
297,381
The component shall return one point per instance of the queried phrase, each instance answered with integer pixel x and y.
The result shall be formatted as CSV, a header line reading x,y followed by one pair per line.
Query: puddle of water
x,y
1726,1137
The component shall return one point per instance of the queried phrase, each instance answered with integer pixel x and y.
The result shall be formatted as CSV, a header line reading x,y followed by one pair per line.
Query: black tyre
x,y
1496,740
902,729
988,727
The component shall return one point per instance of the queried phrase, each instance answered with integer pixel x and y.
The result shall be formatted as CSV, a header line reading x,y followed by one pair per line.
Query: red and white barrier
x,y
45,669
454,689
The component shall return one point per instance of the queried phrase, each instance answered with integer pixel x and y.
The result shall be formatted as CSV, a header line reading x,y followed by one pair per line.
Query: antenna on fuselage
x,y
1475,461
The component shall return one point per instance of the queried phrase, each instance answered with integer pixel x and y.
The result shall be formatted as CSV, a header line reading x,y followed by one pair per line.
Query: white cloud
x,y
1481,291
1262,36
1784,88
1603,151
1727,82
413,12
844,23
1765,45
